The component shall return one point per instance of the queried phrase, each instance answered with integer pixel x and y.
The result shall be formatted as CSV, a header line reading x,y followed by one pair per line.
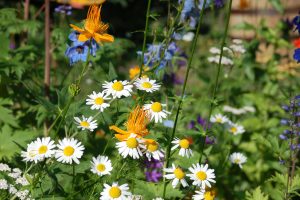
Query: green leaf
x,y
277,5
257,194
6,115
112,72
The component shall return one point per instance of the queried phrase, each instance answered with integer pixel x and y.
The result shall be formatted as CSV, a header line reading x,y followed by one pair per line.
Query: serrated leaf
x,y
257,194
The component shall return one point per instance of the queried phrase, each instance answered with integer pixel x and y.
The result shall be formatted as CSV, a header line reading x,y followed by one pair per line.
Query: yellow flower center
x,y
184,143
152,147
43,149
209,195
146,85
84,124
156,107
233,129
132,143
99,101
201,175
179,173
101,167
237,161
115,192
118,86
219,120
69,151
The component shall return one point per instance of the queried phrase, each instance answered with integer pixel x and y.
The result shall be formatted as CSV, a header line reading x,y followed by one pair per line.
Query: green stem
x,y
65,110
145,37
190,60
212,104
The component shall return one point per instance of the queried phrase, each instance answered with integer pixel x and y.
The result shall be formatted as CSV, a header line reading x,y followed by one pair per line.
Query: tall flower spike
x,y
94,28
137,123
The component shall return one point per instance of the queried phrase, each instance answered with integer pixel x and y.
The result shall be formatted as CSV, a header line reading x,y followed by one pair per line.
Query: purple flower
x,y
153,176
210,140
219,3
63,9
201,121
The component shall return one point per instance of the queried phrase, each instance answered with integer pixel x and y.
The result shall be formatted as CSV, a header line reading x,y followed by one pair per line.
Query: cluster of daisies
x,y
117,89
235,129
235,49
201,176
13,183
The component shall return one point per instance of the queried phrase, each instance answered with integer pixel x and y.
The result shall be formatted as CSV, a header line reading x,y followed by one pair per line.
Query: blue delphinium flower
x,y
293,109
158,55
78,50
77,53
297,55
219,3
190,11
296,22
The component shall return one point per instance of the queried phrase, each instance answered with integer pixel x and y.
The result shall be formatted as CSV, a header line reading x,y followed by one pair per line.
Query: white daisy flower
x,y
97,101
153,150
238,48
144,83
42,148
237,41
86,123
117,88
236,129
132,146
155,110
199,195
184,145
219,118
158,198
238,158
31,155
201,175
214,50
3,184
176,174
69,150
101,165
188,37
4,167
115,192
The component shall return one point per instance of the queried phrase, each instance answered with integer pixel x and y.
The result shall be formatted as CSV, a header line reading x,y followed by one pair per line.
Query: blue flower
x,y
77,53
297,54
190,11
296,22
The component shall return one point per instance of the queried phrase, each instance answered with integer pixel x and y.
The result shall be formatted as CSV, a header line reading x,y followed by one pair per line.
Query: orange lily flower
x,y
137,123
94,28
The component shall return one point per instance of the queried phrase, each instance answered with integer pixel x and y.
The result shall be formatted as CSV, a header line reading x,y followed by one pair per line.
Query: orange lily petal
x,y
76,28
103,38
122,137
118,130
84,36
